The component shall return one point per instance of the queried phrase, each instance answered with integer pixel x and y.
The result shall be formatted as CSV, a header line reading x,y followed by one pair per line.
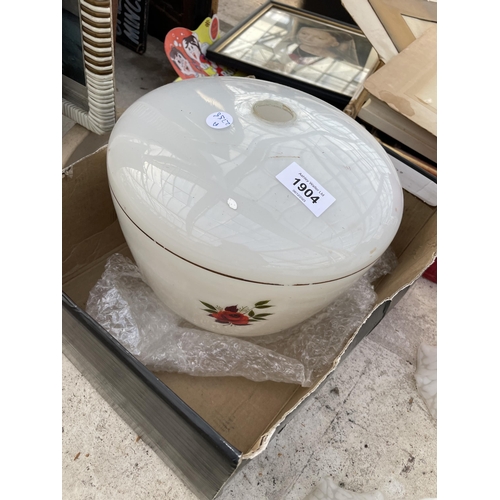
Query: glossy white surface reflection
x,y
215,234
172,174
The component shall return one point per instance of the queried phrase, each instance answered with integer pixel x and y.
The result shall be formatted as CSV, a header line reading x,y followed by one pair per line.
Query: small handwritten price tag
x,y
306,188
219,120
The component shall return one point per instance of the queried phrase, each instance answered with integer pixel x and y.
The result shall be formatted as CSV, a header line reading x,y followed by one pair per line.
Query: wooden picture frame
x,y
318,55
88,88
408,82
405,20
391,25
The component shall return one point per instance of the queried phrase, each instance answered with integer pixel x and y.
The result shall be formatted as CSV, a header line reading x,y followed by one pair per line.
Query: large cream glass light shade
x,y
249,206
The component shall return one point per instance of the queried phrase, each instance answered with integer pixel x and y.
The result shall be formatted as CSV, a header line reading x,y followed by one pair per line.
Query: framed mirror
x,y
88,88
318,55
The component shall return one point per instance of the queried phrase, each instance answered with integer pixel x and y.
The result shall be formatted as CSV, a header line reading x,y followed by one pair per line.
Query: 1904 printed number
x,y
307,191
305,188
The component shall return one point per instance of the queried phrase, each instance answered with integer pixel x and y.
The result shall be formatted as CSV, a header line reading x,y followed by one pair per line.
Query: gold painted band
x,y
228,275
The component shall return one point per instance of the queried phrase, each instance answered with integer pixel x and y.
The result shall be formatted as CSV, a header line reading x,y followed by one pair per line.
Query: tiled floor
x,y
367,427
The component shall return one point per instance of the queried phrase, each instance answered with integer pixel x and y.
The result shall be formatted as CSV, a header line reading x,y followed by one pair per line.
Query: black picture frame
x,y
270,43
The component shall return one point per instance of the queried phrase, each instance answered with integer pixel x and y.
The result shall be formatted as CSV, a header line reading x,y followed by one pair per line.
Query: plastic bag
x,y
131,312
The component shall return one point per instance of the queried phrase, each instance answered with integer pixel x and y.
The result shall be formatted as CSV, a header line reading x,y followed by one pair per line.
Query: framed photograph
x,y
313,53
88,89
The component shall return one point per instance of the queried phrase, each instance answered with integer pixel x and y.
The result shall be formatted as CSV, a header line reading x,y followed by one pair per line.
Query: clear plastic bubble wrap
x,y
130,311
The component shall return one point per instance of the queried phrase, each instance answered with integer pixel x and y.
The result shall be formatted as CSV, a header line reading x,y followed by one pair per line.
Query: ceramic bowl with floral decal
x,y
249,206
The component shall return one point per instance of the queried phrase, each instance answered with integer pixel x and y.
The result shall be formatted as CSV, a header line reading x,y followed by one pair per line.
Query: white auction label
x,y
306,188
219,119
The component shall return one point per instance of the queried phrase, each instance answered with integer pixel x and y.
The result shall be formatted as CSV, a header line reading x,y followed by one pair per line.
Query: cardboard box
x,y
204,428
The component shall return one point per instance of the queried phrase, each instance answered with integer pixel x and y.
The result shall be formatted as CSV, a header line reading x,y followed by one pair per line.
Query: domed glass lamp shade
x,y
249,206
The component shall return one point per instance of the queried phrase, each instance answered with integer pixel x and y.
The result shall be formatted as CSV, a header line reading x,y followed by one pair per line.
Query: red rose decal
x,y
230,315
234,315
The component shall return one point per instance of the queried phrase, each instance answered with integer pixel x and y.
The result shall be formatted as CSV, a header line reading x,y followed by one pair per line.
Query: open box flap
x,y
415,246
